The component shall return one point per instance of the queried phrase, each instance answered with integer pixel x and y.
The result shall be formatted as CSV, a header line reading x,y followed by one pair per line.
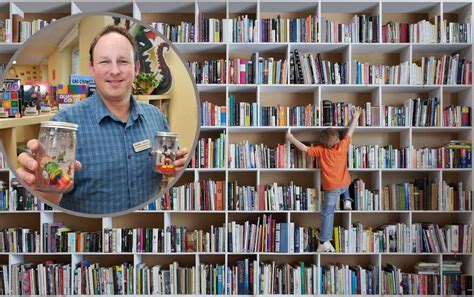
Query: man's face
x,y
114,69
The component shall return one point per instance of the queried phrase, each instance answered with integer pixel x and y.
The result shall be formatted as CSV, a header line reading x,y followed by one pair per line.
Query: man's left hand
x,y
181,156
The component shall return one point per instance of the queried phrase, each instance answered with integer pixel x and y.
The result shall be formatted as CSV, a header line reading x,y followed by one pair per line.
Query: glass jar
x,y
164,149
56,157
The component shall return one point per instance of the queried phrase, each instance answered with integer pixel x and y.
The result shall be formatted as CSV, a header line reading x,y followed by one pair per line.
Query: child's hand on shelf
x,y
356,112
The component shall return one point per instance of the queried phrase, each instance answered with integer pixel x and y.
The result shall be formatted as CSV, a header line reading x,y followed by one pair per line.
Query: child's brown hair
x,y
329,137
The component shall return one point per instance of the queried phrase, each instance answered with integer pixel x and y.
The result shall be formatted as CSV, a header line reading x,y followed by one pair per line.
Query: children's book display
x,y
68,94
37,97
10,99
41,97
77,79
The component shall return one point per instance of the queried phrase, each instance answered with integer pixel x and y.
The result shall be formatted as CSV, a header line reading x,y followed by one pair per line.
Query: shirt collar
x,y
102,112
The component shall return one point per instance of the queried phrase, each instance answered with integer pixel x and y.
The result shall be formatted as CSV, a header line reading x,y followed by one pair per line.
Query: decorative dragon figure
x,y
150,60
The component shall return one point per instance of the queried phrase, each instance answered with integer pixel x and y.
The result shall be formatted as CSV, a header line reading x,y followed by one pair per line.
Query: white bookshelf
x,y
377,178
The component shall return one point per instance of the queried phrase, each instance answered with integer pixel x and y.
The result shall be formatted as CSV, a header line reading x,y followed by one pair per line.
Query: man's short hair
x,y
113,29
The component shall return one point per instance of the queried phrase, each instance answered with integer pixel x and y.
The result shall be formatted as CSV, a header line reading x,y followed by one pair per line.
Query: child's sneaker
x,y
326,247
347,205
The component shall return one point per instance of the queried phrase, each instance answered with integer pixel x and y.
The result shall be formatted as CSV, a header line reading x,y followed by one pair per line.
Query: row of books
x,y
274,30
457,157
41,279
203,279
430,238
184,32
427,280
423,194
279,115
18,198
197,195
403,238
363,198
293,279
454,281
209,153
209,72
211,29
444,70
242,70
306,68
172,239
271,197
243,114
293,30
249,155
396,282
58,238
244,277
213,114
428,158
375,156
421,32
244,29
210,196
93,279
433,31
343,279
267,235
19,240
303,29
365,74
340,114
415,113
19,30
362,29
257,70
457,116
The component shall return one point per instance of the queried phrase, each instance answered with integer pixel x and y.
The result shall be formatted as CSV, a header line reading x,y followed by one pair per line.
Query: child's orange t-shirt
x,y
333,164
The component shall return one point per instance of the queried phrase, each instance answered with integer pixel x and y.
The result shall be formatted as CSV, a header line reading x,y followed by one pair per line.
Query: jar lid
x,y
55,124
166,134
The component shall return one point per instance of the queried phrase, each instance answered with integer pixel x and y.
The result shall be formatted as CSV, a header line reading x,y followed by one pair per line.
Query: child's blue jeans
x,y
327,213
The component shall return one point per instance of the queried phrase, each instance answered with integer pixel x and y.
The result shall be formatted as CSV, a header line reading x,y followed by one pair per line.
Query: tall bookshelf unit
x,y
266,95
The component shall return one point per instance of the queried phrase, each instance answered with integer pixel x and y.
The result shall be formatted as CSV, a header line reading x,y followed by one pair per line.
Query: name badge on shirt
x,y
142,145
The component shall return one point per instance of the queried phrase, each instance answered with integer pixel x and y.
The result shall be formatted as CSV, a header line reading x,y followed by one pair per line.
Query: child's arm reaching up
x,y
355,118
296,142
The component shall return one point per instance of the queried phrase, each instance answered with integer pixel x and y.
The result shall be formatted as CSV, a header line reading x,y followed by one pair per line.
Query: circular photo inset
x,y
109,114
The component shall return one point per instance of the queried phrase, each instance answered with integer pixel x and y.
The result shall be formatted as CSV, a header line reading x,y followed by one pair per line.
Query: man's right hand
x,y
29,165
